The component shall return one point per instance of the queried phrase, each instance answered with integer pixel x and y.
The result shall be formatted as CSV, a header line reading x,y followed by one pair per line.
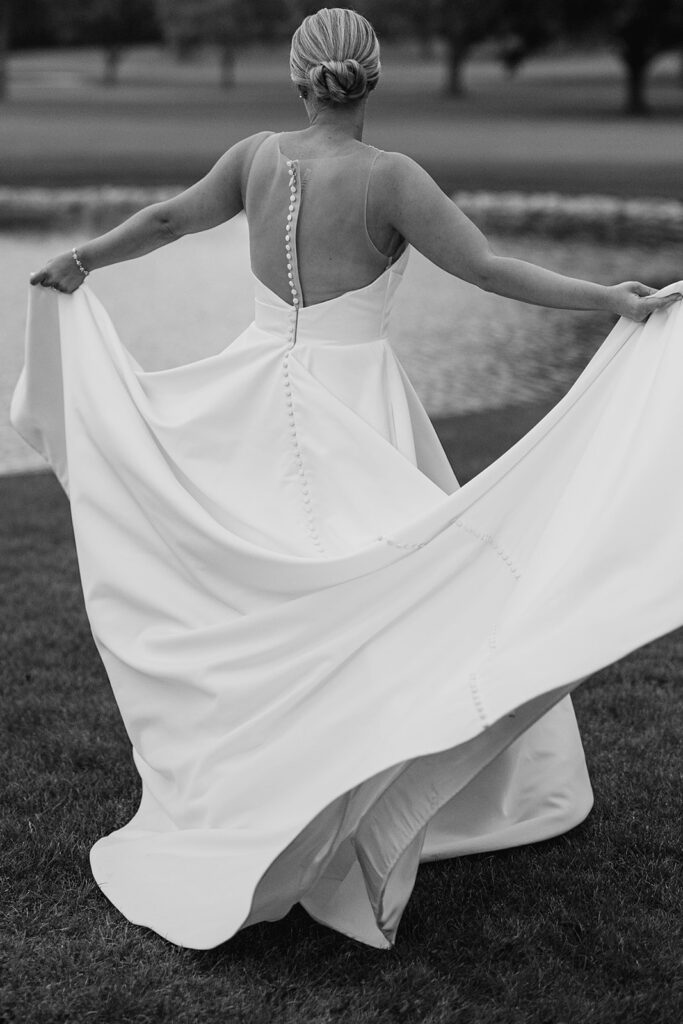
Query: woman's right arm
x,y
217,197
415,206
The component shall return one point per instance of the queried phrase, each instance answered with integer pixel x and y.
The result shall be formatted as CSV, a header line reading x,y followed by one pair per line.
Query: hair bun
x,y
338,81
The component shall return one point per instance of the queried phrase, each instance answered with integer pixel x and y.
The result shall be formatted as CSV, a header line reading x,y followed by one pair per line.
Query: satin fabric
x,y
312,718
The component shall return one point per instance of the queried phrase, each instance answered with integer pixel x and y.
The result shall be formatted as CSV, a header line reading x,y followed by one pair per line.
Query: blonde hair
x,y
335,53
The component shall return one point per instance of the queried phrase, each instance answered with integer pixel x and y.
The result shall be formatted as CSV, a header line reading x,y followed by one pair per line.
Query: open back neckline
x,y
296,170
296,159
334,298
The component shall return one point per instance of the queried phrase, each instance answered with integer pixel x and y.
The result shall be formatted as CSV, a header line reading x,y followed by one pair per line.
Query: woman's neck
x,y
336,124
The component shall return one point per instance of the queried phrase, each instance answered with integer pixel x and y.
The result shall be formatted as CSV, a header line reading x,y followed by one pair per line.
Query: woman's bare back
x,y
311,218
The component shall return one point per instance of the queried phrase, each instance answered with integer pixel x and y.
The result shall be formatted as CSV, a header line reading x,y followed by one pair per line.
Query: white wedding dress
x,y
331,660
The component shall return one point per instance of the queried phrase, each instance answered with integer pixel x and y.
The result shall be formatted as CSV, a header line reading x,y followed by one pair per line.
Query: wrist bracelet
x,y
79,264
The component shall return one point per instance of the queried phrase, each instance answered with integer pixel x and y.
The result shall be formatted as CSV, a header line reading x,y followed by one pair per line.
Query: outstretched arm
x,y
414,204
217,197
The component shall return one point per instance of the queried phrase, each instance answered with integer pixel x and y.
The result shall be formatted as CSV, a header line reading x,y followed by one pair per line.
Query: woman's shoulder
x,y
399,178
396,166
244,152
251,143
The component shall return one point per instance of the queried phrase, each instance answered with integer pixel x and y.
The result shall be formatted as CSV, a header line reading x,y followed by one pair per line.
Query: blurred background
x,y
558,127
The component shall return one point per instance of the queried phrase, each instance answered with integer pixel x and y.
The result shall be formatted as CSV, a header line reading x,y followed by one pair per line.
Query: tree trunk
x,y
227,65
112,63
4,49
636,74
457,52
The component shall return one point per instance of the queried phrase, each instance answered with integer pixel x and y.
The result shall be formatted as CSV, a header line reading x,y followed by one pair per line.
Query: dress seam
x,y
485,538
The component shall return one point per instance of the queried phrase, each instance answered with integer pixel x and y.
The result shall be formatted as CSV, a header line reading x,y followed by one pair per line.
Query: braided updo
x,y
335,54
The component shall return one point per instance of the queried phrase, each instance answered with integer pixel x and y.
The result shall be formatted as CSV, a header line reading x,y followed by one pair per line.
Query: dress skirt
x,y
332,661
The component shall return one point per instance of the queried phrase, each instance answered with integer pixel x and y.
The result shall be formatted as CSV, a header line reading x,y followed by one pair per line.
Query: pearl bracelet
x,y
79,264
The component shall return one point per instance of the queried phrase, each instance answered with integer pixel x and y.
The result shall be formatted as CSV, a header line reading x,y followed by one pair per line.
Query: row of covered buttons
x,y
289,250
312,529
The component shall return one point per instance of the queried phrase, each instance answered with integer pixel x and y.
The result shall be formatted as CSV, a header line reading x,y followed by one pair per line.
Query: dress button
x,y
288,248
289,266
291,207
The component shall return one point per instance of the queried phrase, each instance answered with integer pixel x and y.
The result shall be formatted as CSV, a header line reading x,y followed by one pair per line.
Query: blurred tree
x,y
415,19
30,24
519,26
640,30
110,24
463,23
188,25
4,46
524,27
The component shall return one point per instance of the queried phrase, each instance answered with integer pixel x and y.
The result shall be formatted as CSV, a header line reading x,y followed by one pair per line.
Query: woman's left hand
x,y
636,301
60,273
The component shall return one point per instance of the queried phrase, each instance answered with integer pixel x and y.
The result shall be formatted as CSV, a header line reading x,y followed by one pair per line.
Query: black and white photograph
x,y
341,512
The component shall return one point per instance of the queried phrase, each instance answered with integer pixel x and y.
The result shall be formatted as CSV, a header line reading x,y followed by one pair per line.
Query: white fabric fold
x,y
312,721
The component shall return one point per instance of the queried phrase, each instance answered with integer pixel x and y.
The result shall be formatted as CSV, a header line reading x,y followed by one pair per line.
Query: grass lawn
x,y
584,927
556,126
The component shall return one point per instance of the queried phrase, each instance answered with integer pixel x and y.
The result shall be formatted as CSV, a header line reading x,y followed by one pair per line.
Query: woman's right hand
x,y
60,273
636,301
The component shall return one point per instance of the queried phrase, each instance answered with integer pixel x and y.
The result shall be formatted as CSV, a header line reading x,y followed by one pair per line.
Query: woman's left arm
x,y
415,206
217,197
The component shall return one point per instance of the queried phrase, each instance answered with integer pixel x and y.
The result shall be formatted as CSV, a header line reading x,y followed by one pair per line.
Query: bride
x,y
332,661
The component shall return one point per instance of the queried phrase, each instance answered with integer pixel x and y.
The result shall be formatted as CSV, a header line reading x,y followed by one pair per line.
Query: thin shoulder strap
x,y
367,183
246,171
379,252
